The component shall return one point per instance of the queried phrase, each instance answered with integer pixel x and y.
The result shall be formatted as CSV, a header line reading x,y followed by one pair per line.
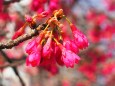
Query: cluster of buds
x,y
53,45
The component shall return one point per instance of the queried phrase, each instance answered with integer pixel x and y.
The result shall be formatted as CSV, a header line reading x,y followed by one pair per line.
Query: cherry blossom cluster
x,y
53,45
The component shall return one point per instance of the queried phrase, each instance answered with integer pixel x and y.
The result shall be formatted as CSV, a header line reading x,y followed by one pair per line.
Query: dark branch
x,y
7,2
13,64
14,68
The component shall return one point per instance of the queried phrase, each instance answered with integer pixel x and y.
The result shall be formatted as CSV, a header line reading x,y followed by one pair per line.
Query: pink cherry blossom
x,y
80,39
69,58
70,45
35,57
32,46
55,47
47,49
58,54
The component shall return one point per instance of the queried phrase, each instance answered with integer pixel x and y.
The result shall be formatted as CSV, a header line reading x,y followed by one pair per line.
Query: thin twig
x,y
14,68
13,64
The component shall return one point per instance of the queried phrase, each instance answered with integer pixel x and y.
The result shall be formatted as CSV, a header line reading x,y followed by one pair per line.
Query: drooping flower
x,y
35,57
58,54
33,60
69,58
70,45
32,46
80,39
47,49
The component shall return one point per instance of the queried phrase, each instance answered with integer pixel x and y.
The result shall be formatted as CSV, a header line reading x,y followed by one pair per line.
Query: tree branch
x,y
21,39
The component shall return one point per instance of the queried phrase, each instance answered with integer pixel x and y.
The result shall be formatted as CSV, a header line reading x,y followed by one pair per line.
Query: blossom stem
x,y
43,40
60,36
23,27
56,41
51,33
46,28
67,19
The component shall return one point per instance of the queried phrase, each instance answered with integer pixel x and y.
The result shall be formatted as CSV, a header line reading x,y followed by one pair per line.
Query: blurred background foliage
x,y
95,18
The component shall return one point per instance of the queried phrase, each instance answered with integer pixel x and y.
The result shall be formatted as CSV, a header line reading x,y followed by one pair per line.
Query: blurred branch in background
x,y
6,2
96,18
14,68
13,64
